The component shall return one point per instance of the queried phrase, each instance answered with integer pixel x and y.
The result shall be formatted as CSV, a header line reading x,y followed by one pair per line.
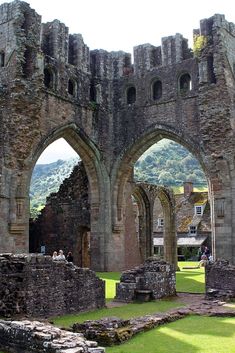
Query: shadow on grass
x,y
191,281
192,334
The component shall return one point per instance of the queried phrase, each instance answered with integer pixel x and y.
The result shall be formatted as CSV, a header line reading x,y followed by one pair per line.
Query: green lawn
x,y
193,334
187,281
190,280
125,312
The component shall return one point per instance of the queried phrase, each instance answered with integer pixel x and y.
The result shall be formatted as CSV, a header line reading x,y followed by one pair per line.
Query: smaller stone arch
x,y
49,78
145,221
131,95
72,87
156,89
149,193
185,83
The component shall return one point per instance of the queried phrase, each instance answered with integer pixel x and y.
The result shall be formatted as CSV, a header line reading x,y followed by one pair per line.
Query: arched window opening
x,y
71,87
157,90
131,95
210,69
185,83
29,59
48,78
2,59
92,93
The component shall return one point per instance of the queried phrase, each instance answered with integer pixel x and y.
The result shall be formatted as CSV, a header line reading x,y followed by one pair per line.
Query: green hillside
x,y
168,163
47,178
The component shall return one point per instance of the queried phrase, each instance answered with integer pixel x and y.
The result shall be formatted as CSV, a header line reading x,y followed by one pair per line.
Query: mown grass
x,y
125,312
187,281
193,334
190,280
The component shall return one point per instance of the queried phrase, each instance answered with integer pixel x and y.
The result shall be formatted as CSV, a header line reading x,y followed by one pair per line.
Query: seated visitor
x,y
69,257
60,256
54,256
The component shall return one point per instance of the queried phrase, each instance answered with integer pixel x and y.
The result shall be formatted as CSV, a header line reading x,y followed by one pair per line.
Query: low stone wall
x,y
155,277
113,330
33,336
220,280
34,285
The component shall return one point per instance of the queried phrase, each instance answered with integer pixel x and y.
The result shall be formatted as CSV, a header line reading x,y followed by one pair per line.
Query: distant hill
x,y
47,178
168,163
165,163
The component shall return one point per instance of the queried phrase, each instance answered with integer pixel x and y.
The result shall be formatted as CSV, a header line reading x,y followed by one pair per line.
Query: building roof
x,y
183,241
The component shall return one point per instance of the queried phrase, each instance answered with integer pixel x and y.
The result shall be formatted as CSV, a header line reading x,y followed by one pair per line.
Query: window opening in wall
x,y
131,95
192,230
157,90
210,69
185,83
48,78
160,222
71,87
28,65
92,93
2,59
198,210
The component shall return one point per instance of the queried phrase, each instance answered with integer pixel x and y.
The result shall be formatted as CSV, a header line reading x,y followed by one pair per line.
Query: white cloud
x,y
59,149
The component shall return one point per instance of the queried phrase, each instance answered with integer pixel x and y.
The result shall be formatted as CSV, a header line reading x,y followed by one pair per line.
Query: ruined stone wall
x,y
34,336
35,285
155,276
65,220
220,280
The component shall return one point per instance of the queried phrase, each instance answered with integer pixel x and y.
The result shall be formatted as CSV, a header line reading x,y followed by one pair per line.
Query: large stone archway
x,y
18,225
111,111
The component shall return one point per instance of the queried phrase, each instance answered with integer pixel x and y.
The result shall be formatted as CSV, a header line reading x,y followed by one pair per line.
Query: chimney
x,y
188,188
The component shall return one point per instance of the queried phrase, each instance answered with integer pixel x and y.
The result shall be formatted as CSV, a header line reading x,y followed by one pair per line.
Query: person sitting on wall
x,y
54,256
60,256
69,257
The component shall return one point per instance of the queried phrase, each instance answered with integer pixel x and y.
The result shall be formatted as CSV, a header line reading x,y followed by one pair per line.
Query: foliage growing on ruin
x,y
199,42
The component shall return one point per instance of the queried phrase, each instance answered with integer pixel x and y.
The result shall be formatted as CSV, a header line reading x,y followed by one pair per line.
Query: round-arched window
x,y
157,90
48,78
185,83
131,95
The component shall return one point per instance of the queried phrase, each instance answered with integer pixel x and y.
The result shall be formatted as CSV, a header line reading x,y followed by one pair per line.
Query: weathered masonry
x,y
37,286
110,111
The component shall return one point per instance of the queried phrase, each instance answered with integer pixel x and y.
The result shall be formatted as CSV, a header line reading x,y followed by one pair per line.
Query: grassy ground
x,y
190,280
193,334
187,281
125,312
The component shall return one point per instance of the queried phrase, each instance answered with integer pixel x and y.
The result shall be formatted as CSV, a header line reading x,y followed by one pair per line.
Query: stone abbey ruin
x,y
110,111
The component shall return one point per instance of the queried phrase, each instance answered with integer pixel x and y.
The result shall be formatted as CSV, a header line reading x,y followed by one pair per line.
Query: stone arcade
x,y
110,111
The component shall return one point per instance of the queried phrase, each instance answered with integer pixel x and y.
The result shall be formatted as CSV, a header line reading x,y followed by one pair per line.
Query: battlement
x,y
63,62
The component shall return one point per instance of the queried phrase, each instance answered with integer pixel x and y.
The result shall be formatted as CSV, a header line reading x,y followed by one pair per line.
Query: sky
x,y
122,24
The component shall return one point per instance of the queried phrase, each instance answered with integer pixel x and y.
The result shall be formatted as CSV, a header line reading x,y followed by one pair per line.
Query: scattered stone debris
x,y
35,285
154,279
34,336
220,280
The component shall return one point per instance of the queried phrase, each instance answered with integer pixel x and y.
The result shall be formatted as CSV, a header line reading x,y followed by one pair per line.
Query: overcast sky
x,y
122,24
